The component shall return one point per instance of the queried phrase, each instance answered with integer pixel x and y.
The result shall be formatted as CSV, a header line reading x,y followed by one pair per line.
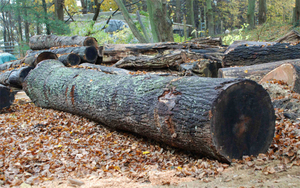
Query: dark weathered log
x,y
253,72
209,116
246,43
145,62
30,60
41,42
217,41
14,77
251,55
288,73
290,37
105,69
115,52
7,97
70,59
207,68
86,53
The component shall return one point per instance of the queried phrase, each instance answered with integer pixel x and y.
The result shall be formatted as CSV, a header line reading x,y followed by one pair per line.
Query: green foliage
x,y
230,38
178,38
124,36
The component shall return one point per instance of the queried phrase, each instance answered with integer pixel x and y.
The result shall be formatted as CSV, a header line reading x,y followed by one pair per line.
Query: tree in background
x,y
262,12
210,18
59,9
250,13
297,13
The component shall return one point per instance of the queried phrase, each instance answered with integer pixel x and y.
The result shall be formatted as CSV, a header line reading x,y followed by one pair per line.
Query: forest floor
x,y
49,148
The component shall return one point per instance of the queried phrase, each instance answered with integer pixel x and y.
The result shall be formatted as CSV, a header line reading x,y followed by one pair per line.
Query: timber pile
x,y
291,37
192,113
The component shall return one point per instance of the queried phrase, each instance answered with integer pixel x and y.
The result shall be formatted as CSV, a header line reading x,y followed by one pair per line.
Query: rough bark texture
x,y
210,18
250,13
288,73
290,37
7,97
115,52
41,42
235,44
250,55
86,53
14,77
145,62
207,68
253,72
204,115
262,11
70,59
105,69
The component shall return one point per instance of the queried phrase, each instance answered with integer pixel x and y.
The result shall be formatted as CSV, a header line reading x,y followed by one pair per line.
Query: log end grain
x,y
288,73
6,97
91,54
90,41
43,56
242,120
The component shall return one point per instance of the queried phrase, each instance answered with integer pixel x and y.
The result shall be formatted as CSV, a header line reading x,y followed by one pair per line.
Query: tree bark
x,y
70,59
235,44
41,42
178,11
14,78
262,12
161,25
207,116
59,9
105,69
297,14
253,72
7,97
250,13
291,37
245,56
83,5
289,73
210,18
190,14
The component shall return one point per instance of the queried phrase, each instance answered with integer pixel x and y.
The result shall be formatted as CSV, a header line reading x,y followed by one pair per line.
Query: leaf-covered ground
x,y
44,147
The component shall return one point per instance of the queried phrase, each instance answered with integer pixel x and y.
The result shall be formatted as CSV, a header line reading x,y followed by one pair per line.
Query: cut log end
x,y
6,97
287,73
90,41
43,56
91,54
243,120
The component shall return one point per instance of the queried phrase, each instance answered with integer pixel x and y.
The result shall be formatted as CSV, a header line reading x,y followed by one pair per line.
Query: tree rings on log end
x,y
242,120
287,73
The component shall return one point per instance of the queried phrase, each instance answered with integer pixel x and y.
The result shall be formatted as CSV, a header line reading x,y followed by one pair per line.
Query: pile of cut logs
x,y
165,91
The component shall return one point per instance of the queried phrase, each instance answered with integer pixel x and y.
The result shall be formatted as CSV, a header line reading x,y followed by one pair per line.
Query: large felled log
x,y
290,37
288,73
217,41
148,62
86,53
31,60
115,52
41,42
70,59
253,72
250,55
6,97
246,43
15,77
219,118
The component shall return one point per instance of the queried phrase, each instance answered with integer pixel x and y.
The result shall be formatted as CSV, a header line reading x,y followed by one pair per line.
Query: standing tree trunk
x,y
161,25
178,12
297,13
250,13
97,9
210,18
262,12
190,12
26,24
46,17
219,118
59,9
83,5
